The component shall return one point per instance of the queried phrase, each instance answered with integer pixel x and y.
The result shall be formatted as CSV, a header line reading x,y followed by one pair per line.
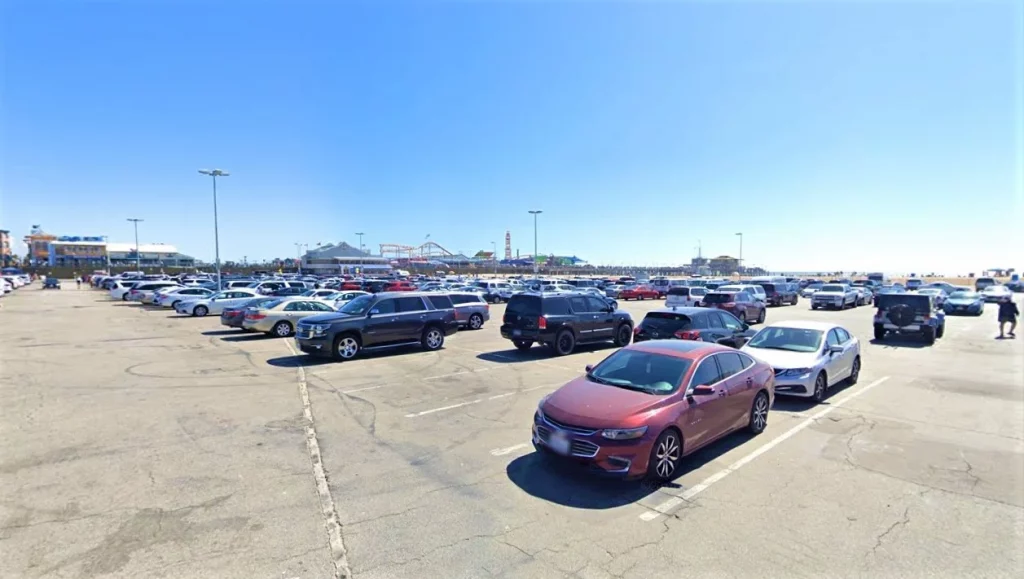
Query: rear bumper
x,y
511,333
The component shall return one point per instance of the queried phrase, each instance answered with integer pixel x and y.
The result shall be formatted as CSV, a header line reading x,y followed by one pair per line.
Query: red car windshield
x,y
639,370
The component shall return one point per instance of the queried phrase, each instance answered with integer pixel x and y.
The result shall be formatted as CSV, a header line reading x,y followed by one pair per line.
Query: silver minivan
x,y
685,296
471,310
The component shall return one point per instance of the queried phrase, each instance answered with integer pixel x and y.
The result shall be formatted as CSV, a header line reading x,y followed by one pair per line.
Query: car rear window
x,y
666,322
768,287
521,305
679,291
920,302
719,297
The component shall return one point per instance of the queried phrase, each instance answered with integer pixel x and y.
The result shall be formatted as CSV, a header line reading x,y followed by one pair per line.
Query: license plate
x,y
517,332
559,443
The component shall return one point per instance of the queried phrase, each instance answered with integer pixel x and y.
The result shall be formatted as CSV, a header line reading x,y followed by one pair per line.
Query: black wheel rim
x,y
819,388
565,343
624,334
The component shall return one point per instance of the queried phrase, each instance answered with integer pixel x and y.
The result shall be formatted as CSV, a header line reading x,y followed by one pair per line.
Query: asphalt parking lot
x,y
142,444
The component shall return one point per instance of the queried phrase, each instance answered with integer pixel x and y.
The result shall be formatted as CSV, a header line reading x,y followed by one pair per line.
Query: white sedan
x,y
173,296
995,293
808,357
216,303
341,298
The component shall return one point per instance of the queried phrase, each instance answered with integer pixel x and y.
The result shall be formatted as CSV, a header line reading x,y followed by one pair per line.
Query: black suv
x,y
562,320
777,294
688,323
908,314
380,320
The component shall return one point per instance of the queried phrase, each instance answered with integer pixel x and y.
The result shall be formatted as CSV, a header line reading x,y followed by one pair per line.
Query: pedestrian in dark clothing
x,y
78,282
1008,313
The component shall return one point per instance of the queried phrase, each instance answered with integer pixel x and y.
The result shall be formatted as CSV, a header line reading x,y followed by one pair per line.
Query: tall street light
x,y
138,256
360,234
535,214
741,252
494,256
214,173
298,251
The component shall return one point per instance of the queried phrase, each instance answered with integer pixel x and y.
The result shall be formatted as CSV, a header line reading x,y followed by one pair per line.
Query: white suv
x,y
684,296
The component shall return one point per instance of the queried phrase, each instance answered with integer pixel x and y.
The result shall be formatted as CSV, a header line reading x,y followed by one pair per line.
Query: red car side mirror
x,y
702,390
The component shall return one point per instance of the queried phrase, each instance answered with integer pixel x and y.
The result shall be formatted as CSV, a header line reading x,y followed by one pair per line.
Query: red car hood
x,y
593,405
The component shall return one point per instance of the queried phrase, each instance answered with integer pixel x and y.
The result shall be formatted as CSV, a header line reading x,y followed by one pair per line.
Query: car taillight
x,y
729,305
255,316
687,335
879,313
636,331
542,323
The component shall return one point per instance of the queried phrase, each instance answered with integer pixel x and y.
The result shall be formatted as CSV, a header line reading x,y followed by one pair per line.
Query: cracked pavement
x,y
142,445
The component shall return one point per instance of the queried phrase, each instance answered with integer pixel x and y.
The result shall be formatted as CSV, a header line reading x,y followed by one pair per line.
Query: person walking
x,y
1008,313
78,282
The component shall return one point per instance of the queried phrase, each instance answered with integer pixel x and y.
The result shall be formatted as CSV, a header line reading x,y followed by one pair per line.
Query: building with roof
x,y
343,258
96,252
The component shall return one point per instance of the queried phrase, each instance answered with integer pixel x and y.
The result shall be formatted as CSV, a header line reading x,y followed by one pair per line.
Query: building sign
x,y
77,238
79,251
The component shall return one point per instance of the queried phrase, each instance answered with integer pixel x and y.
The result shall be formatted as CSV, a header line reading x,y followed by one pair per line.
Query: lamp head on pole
x,y
214,172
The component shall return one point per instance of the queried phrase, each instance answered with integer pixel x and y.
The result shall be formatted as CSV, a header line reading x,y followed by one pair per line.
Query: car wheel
x,y
640,297
665,456
814,307
879,332
742,317
497,299
522,345
346,347
282,329
476,321
929,335
433,339
124,297
855,372
940,331
565,343
175,304
760,317
758,414
820,386
623,335
200,311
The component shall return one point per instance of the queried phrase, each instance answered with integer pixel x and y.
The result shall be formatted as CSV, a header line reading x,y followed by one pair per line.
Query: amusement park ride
x,y
429,251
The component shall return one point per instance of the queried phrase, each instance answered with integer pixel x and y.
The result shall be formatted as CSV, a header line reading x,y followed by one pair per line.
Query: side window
x,y
556,307
441,302
457,299
706,373
412,304
729,321
833,339
596,304
384,307
714,320
747,360
320,307
730,364
742,297
844,336
295,307
579,304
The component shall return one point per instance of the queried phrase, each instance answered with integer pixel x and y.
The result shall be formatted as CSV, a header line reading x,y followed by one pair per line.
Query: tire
x,y
665,456
124,297
282,329
814,307
175,304
623,335
796,299
640,298
760,317
476,321
929,335
522,345
855,373
433,339
565,343
942,330
346,347
820,387
200,311
758,414
879,332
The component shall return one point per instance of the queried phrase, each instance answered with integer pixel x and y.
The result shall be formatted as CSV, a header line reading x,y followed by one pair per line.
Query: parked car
x,y
279,317
693,323
613,290
173,296
865,295
685,296
563,320
995,293
400,286
288,292
810,289
233,316
908,313
983,282
914,283
319,294
471,309
639,292
646,406
377,321
495,291
964,302
890,289
51,283
808,358
778,293
937,293
343,297
120,289
756,291
215,304
835,295
740,304
144,291
944,286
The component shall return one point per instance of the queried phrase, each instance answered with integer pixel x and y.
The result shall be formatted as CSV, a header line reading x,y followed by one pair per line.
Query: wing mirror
x,y
589,368
835,349
702,390
745,327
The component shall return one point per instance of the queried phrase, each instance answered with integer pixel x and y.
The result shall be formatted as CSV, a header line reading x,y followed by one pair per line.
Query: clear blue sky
x,y
862,135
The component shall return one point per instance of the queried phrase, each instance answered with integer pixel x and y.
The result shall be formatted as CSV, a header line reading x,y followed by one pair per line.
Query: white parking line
x,y
354,390
460,373
479,400
509,449
667,506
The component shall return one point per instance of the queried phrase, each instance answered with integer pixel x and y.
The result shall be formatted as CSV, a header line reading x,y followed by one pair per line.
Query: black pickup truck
x,y
382,320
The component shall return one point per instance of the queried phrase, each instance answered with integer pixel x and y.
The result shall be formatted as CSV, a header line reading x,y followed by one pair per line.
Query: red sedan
x,y
645,407
400,286
639,292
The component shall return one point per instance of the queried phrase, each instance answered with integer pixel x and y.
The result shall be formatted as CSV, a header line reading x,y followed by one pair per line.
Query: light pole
x,y
494,256
360,234
741,252
214,173
298,251
138,256
535,214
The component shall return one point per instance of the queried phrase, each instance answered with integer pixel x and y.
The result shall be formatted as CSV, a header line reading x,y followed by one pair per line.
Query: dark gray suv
x,y
377,321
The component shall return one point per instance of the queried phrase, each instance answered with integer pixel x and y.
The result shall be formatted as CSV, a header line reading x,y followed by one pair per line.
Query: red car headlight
x,y
624,433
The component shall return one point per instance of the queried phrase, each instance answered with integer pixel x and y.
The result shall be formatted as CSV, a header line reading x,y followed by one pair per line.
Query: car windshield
x,y
814,285
638,370
964,295
790,339
308,293
358,306
832,288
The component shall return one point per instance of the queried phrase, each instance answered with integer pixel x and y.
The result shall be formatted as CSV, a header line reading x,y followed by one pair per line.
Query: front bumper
x,y
828,302
612,458
952,310
316,345
802,385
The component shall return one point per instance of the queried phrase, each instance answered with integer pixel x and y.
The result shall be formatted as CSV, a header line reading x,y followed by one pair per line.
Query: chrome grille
x,y
583,448
570,428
